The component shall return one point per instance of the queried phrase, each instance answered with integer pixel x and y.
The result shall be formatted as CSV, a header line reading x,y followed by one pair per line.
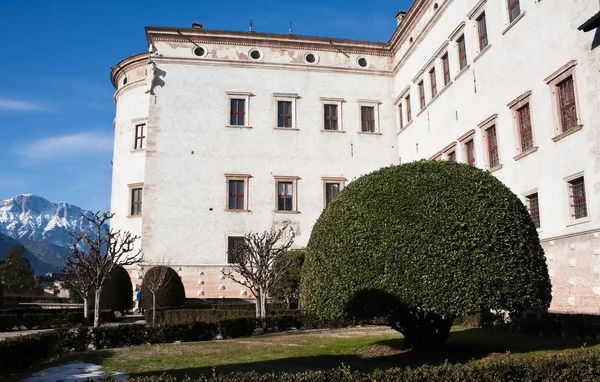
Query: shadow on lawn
x,y
462,346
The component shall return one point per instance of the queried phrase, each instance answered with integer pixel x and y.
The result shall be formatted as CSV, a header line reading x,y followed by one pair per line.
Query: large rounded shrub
x,y
420,244
117,293
168,287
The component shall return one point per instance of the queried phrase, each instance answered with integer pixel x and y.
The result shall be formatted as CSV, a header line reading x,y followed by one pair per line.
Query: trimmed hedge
x,y
117,293
180,316
567,366
422,243
48,319
171,294
580,326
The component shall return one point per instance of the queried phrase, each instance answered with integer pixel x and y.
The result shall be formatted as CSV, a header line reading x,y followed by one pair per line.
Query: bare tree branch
x,y
253,264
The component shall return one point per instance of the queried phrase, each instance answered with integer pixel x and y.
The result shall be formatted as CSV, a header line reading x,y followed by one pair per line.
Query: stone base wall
x,y
200,281
574,268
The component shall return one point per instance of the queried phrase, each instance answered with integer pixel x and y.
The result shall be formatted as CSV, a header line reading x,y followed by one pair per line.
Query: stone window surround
x,y
566,71
294,181
485,125
286,97
571,219
327,179
239,95
469,136
332,101
525,199
243,177
477,11
514,106
375,105
132,128
401,100
446,151
131,187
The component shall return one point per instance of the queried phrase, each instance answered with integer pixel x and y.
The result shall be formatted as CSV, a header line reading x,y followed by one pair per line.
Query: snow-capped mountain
x,y
41,226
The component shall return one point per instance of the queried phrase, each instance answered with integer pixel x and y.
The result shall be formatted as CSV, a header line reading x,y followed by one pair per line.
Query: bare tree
x,y
155,279
92,257
253,262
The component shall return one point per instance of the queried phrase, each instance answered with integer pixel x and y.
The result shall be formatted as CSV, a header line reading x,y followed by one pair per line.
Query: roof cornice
x,y
119,68
283,41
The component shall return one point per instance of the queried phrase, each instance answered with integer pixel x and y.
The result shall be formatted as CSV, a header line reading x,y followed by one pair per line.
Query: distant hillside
x,y
39,267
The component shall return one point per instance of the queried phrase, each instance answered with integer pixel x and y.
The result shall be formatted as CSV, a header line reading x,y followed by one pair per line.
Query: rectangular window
x,y
433,82
285,196
331,191
492,146
446,67
566,104
236,194
331,117
482,32
451,156
534,209
284,114
421,95
514,10
367,116
140,136
408,109
526,133
237,112
470,152
235,248
462,52
136,201
400,117
578,202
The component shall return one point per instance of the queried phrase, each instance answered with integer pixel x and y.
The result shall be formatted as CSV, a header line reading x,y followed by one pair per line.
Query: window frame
x,y
537,218
131,203
409,118
510,5
573,219
482,33
486,127
461,46
244,96
465,139
228,259
285,97
332,102
237,177
516,106
422,99
140,136
449,152
445,59
341,181
368,103
433,82
294,197
553,81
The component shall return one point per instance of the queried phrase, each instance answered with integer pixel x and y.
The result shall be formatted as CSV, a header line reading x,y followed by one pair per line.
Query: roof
x,y
592,23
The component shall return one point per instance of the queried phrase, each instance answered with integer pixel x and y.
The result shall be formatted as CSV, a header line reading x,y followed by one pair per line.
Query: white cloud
x,y
7,104
68,146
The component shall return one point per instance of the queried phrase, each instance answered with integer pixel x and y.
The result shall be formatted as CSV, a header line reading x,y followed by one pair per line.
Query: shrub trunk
x,y
424,331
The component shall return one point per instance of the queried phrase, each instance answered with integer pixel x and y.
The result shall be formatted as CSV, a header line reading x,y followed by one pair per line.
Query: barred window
x,y
492,146
482,32
462,52
578,202
566,103
235,246
367,115
526,133
514,10
534,209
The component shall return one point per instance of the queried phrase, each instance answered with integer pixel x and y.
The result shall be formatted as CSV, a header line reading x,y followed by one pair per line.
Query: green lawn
x,y
360,348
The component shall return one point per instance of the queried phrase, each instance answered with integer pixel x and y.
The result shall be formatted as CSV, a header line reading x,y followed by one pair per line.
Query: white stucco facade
x,y
182,95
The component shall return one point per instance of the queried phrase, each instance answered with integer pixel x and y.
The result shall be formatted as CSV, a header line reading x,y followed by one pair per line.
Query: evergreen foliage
x,y
288,288
15,270
172,293
420,244
117,293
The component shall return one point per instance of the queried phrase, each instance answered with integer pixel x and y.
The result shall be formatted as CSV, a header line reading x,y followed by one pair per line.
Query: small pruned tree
x,y
288,288
94,254
155,280
253,260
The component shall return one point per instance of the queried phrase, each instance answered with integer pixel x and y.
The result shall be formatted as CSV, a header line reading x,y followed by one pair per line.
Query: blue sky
x,y
56,100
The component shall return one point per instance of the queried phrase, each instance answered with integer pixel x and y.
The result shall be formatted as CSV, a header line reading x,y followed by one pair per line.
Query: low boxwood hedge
x,y
48,319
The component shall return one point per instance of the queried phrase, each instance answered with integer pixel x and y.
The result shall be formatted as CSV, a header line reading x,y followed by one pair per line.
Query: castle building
x,y
221,133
